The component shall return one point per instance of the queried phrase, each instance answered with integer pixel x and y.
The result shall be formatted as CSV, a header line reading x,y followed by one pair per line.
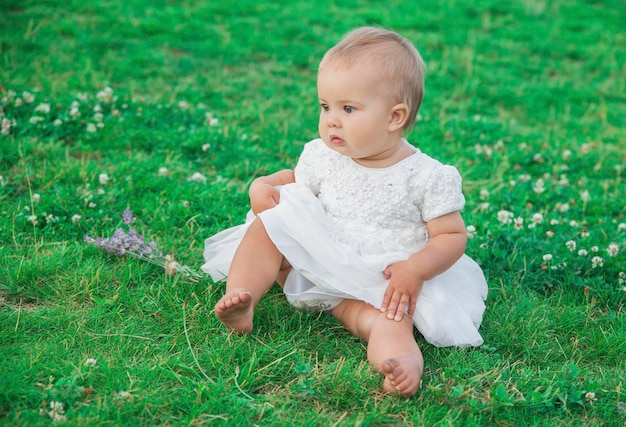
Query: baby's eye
x,y
348,109
325,107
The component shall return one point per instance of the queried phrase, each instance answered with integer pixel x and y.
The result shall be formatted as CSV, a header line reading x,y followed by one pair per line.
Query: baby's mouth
x,y
334,139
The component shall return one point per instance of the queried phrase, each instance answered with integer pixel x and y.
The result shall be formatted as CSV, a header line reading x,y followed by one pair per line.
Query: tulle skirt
x,y
328,267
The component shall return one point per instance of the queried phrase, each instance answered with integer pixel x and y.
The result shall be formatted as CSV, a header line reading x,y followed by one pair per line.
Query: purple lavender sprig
x,y
134,244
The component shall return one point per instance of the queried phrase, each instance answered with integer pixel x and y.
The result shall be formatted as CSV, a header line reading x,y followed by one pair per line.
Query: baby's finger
x,y
386,299
393,305
412,305
276,197
404,302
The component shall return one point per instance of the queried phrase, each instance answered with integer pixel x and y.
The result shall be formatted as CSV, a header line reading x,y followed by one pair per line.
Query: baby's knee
x,y
356,316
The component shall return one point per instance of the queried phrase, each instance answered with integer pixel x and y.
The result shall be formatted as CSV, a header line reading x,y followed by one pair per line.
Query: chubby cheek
x,y
322,128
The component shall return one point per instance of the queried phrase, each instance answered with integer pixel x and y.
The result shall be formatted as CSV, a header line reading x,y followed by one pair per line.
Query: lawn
x,y
170,109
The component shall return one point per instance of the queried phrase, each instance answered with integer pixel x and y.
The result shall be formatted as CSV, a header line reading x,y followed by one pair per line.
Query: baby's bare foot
x,y
402,375
235,310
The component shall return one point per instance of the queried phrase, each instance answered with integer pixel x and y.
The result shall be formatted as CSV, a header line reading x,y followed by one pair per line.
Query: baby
x,y
366,227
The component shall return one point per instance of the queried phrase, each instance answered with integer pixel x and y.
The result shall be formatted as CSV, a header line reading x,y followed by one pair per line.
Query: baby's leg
x,y
391,346
256,265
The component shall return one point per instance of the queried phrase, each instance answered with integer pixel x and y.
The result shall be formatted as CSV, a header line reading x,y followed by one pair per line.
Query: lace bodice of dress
x,y
382,209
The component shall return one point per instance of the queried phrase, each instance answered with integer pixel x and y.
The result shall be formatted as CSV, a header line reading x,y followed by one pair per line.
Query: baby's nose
x,y
332,120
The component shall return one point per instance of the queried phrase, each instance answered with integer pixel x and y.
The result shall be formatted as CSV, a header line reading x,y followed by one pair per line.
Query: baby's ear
x,y
399,117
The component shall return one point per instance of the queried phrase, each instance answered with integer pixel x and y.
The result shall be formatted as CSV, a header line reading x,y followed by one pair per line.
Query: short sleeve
x,y
443,194
307,169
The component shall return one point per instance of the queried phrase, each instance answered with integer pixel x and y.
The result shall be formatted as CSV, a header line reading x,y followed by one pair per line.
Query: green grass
x,y
526,98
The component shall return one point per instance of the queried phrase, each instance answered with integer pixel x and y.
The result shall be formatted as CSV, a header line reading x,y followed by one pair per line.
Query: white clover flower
x,y
550,233
571,245
585,196
518,222
91,128
613,249
584,234
590,396
562,207
124,395
537,157
583,252
537,218
484,194
483,206
621,226
554,222
32,219
163,171
471,231
573,223
563,181
74,112
57,122
6,126
28,97
197,177
103,178
595,249
524,178
105,95
505,217
183,105
97,108
547,257
185,203
90,362
43,108
597,261
36,198
35,119
92,205
567,155
76,218
539,186
210,119
56,412
97,117
206,146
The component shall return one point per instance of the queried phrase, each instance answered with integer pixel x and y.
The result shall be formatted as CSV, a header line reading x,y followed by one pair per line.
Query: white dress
x,y
341,224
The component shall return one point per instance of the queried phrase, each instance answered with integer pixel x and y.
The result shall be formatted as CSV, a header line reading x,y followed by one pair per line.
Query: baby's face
x,y
355,112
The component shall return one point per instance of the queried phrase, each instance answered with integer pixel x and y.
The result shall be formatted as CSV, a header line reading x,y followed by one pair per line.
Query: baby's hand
x,y
263,197
405,285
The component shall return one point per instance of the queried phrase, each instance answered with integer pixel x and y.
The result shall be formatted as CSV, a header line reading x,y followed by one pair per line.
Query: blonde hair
x,y
399,62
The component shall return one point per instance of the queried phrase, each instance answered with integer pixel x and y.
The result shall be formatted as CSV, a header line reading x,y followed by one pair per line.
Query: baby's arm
x,y
448,239
263,193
